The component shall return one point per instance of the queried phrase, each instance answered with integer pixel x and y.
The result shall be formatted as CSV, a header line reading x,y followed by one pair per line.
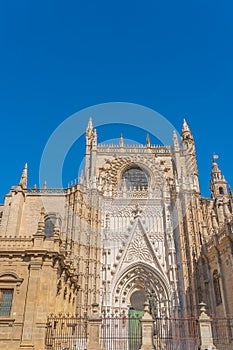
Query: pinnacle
x,y
90,125
175,137
24,177
185,126
147,140
121,140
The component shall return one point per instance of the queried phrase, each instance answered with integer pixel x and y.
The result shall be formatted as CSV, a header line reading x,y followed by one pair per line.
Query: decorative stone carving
x,y
138,251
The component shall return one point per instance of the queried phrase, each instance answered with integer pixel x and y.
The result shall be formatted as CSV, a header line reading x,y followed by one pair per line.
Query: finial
x,y
24,177
121,140
202,307
147,140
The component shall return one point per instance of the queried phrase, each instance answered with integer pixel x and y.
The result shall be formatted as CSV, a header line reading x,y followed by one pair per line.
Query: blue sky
x,y
58,57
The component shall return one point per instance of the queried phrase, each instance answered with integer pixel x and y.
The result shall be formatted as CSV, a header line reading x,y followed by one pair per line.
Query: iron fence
x,y
66,332
121,332
222,330
176,334
124,332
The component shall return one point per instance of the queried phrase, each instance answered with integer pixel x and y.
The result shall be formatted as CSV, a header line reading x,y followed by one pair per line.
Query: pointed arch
x,y
142,276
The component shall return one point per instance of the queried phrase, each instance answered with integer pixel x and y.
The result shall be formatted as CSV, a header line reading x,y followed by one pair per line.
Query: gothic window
x,y
217,289
135,178
6,296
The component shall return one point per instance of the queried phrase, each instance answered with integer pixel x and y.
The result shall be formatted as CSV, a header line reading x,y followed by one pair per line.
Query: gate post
x,y
205,329
147,323
94,329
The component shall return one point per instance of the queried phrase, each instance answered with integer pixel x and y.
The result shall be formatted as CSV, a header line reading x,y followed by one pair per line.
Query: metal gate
x,y
176,334
66,333
121,332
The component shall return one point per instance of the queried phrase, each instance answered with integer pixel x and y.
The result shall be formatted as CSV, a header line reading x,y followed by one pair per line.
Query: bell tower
x,y
218,184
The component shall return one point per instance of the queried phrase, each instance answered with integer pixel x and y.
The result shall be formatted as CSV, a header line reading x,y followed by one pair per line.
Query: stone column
x,y
147,323
205,329
28,341
94,329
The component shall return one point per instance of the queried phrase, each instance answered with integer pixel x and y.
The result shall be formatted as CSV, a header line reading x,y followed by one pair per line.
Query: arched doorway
x,y
136,284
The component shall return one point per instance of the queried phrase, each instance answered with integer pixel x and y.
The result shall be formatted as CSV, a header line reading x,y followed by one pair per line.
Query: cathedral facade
x,y
134,227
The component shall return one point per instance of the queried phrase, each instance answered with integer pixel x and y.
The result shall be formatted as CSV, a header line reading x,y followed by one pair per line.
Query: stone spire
x,y
24,177
188,146
89,125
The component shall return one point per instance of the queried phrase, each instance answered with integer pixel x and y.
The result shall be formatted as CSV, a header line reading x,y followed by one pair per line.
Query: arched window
x,y
217,289
221,191
51,220
49,226
9,284
135,177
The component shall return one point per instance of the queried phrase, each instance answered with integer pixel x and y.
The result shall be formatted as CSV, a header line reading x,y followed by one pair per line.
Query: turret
x,y
219,193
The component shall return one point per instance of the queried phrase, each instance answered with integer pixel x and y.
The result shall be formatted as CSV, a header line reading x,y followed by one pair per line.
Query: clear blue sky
x,y
58,57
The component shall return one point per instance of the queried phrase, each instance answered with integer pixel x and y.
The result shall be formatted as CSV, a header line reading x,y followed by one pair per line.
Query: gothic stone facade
x,y
135,226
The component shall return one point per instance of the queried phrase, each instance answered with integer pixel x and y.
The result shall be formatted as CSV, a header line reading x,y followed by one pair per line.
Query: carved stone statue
x,y
152,304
